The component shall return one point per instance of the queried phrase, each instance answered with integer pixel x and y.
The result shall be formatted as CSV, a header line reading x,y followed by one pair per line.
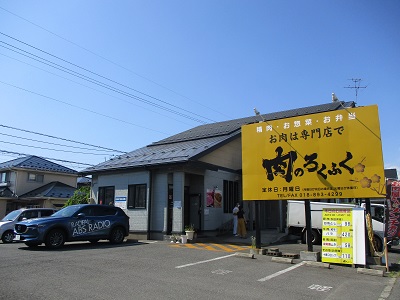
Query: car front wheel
x,y
117,235
55,239
7,237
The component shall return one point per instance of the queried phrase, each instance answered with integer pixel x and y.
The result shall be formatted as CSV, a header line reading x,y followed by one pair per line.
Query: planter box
x,y
190,235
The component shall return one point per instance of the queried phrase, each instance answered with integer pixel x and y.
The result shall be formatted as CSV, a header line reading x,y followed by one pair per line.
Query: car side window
x,y
104,211
29,215
46,213
88,211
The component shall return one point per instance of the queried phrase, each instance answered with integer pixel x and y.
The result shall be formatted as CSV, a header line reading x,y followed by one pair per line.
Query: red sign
x,y
393,211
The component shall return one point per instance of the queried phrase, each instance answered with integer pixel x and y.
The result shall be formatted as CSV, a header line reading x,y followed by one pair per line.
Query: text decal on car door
x,y
86,226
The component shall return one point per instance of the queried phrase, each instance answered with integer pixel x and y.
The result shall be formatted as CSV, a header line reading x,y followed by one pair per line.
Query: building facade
x,y
193,177
34,182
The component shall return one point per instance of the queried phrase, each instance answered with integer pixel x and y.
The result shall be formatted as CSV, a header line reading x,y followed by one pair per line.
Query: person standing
x,y
235,219
241,223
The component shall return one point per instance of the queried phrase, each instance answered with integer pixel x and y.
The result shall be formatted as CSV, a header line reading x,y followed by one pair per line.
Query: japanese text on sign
x,y
337,154
337,235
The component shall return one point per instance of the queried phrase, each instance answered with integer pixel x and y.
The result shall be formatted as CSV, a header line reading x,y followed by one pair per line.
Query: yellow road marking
x,y
212,247
205,246
240,247
227,249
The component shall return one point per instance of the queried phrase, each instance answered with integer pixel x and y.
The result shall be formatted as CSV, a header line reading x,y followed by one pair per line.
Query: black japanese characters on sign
x,y
283,165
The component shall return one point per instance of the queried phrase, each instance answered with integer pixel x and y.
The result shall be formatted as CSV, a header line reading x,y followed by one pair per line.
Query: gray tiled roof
x,y
188,144
227,127
84,180
160,154
5,192
36,163
53,189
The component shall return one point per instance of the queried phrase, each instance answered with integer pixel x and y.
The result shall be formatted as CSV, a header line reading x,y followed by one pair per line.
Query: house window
x,y
106,195
231,195
137,196
3,177
35,177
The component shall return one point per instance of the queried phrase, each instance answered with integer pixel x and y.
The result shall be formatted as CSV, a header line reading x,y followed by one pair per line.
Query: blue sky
x,y
201,61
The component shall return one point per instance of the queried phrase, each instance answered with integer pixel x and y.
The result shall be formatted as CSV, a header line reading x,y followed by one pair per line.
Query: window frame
x,y
3,177
103,193
134,193
230,195
35,177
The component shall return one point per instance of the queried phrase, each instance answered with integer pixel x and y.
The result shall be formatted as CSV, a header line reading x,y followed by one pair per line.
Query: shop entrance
x,y
188,218
193,210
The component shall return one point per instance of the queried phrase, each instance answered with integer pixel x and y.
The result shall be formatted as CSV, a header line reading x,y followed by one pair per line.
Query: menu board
x,y
337,235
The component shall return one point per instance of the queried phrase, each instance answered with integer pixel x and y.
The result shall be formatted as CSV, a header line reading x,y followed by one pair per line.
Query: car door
x,y
103,218
80,224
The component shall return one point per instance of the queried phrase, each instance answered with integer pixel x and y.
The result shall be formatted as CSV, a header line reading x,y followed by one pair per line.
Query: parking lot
x,y
154,270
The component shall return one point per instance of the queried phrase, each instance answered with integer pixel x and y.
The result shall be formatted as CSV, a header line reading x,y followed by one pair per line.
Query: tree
x,y
80,196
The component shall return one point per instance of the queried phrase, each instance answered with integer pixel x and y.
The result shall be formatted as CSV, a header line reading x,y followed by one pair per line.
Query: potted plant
x,y
175,238
189,229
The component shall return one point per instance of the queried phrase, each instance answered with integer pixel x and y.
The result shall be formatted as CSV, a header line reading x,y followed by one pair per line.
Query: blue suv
x,y
83,222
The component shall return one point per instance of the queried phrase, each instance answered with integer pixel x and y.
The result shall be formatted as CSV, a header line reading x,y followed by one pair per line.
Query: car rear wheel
x,y
7,237
117,235
55,239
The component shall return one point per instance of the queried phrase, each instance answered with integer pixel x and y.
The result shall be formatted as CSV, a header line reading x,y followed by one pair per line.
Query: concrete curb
x,y
317,264
244,255
284,260
370,272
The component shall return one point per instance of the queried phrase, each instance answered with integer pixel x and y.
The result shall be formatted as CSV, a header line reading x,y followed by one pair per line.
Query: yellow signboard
x,y
337,235
335,154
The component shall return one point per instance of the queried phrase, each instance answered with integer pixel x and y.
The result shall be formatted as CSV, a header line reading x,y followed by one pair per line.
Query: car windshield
x,y
11,216
67,211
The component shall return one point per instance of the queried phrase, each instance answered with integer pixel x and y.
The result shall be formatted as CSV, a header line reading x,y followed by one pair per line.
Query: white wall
x,y
138,217
216,216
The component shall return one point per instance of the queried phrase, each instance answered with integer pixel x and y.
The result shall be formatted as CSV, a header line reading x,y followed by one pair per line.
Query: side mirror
x,y
81,215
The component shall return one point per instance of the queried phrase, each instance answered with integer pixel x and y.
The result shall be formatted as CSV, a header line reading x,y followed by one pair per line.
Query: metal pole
x,y
258,231
307,208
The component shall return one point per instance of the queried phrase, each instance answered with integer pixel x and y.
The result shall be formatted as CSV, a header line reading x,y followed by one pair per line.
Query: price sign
x,y
337,235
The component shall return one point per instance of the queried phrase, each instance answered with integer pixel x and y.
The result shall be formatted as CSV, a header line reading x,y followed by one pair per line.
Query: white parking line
x,y
204,261
281,272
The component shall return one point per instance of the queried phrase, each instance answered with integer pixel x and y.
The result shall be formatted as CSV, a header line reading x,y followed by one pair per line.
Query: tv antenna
x,y
356,86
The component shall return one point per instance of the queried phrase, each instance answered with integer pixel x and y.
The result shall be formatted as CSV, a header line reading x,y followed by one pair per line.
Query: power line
x,y
43,148
67,146
76,106
94,81
60,160
110,61
60,138
55,144
89,87
97,74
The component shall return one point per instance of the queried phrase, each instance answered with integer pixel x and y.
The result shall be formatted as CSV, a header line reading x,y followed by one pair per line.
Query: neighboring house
x,y
193,177
34,182
84,181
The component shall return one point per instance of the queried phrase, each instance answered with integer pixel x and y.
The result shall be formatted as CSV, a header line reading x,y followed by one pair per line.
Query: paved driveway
x,y
159,271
